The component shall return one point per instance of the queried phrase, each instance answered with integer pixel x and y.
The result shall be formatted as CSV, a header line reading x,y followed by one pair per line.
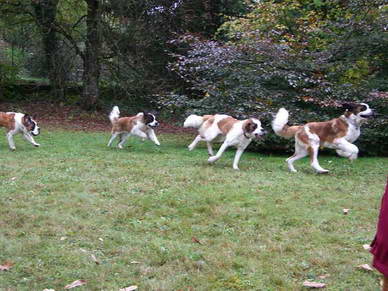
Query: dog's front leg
x,y
152,136
11,143
223,147
140,134
237,157
347,150
29,138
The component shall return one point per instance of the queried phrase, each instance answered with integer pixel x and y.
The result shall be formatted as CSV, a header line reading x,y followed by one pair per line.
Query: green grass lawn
x,y
137,210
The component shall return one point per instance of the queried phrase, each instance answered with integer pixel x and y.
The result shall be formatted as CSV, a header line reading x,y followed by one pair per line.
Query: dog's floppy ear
x,y
249,126
26,118
348,106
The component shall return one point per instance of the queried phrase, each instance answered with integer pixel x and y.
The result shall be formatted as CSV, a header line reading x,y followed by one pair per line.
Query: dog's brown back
x,y
7,120
125,124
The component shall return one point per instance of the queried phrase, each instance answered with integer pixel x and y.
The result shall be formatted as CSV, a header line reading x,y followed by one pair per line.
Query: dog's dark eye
x,y
363,108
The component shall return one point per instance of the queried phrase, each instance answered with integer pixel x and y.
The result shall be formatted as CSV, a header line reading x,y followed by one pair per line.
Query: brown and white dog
x,y
338,134
19,123
224,128
141,125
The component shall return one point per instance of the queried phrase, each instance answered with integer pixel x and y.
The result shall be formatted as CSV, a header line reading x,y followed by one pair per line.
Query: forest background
x,y
240,57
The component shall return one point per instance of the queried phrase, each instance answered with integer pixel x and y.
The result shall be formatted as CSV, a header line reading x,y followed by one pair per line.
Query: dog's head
x,y
358,111
252,128
30,124
150,120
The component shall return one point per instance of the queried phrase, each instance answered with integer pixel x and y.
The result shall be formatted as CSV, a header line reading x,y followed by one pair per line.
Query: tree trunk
x,y
45,12
91,74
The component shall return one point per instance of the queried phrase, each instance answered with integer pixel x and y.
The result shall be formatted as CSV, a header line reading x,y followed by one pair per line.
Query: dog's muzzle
x,y
35,133
369,115
156,124
259,135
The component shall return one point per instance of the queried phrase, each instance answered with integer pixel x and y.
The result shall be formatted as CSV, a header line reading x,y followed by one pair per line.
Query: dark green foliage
x,y
255,76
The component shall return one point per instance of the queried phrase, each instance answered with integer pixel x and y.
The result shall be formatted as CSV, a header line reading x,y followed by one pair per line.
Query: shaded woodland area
x,y
238,57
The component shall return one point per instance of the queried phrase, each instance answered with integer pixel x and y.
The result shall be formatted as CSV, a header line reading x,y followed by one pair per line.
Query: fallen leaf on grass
x,y
130,288
135,262
6,266
48,290
94,259
324,276
345,210
365,267
63,238
366,247
313,284
194,239
75,284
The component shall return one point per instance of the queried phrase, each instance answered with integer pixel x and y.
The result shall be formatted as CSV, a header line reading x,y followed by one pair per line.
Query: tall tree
x,y
45,15
93,44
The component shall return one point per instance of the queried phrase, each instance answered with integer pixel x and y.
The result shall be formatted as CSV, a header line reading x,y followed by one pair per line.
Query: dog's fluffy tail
x,y
114,114
193,121
280,127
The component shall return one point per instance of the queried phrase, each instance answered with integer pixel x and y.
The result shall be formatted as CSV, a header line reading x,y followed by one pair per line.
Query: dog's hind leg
x,y
313,141
11,143
210,148
124,138
300,152
114,135
313,151
197,139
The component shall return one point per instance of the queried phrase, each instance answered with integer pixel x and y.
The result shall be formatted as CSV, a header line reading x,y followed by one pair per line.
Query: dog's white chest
x,y
353,133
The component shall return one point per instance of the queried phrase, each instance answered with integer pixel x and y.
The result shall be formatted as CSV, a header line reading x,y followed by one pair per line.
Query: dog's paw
x,y
212,159
157,143
12,149
236,168
190,148
37,145
120,146
323,171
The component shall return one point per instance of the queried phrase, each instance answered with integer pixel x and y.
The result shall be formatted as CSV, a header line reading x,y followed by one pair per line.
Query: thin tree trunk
x,y
91,74
45,12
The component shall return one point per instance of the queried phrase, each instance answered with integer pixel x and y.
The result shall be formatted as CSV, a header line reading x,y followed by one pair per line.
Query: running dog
x,y
141,125
338,133
224,128
19,123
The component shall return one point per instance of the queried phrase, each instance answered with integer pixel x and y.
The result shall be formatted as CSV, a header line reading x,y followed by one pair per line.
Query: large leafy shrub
x,y
293,56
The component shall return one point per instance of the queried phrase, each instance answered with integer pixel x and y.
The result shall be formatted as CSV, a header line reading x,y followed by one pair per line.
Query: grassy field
x,y
161,218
